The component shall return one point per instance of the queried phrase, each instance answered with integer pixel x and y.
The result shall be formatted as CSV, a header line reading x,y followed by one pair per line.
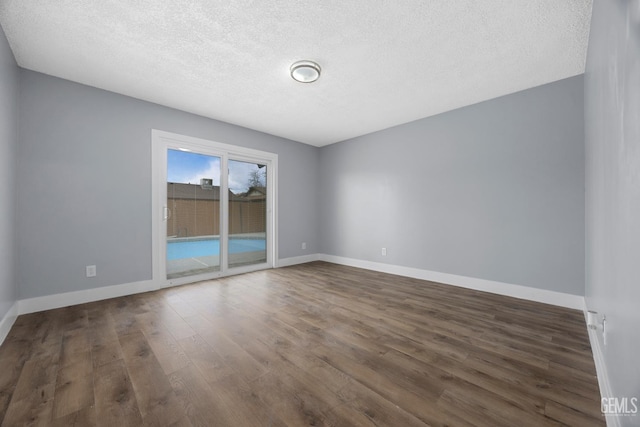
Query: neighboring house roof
x,y
255,192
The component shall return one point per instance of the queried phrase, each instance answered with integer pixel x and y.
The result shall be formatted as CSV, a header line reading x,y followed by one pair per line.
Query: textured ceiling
x,y
383,63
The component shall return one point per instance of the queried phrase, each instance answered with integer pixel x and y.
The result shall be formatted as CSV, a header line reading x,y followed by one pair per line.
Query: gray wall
x,y
8,142
612,116
492,191
84,184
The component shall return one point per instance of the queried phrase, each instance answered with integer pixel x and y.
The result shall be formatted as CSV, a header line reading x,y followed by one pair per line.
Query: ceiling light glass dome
x,y
305,71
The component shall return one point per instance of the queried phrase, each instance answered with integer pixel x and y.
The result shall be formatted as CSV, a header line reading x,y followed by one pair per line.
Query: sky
x,y
188,167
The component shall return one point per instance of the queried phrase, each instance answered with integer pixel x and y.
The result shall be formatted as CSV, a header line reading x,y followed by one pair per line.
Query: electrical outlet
x,y
304,245
384,251
91,271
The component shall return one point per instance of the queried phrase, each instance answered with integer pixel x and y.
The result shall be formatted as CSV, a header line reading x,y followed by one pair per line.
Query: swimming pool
x,y
206,247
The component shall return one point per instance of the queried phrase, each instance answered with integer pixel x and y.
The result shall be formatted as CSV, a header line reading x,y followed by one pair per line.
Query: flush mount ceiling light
x,y
305,71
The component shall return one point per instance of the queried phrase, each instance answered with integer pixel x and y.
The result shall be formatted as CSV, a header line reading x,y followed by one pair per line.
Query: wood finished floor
x,y
315,344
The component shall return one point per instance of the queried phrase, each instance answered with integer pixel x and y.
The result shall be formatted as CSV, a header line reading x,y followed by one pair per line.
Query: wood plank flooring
x,y
315,344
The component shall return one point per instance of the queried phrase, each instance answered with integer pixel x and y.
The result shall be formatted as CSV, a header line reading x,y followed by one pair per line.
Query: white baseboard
x,y
50,302
601,369
7,321
517,291
286,262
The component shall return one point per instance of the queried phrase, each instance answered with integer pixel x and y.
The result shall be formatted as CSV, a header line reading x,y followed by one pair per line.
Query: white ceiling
x,y
383,63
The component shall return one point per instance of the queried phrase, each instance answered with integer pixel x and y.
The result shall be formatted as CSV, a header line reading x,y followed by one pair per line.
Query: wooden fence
x,y
196,212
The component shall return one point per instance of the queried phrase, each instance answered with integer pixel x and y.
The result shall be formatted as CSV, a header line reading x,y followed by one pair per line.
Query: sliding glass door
x,y
216,205
192,213
247,213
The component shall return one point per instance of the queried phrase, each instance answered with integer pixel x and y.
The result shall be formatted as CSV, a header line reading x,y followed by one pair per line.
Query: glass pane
x,y
247,213
193,214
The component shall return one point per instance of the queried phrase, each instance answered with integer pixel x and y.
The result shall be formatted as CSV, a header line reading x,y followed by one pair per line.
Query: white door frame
x,y
161,141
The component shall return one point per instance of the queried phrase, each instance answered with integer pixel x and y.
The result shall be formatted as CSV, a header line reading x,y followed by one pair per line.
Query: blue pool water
x,y
198,248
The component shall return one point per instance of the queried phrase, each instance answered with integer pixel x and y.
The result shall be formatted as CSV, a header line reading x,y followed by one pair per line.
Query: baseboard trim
x,y
517,291
7,321
286,262
601,369
49,302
